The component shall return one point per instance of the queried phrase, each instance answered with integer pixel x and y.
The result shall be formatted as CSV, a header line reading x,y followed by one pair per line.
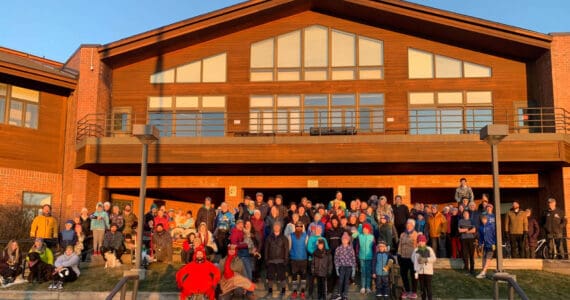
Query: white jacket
x,y
425,268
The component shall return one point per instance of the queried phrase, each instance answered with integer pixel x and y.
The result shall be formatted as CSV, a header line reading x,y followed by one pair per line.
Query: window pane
x,y
288,75
343,100
289,50
162,121
365,119
420,64
478,118
371,99
262,54
2,108
214,101
475,70
214,68
370,73
421,98
450,98
261,101
288,101
378,120
294,121
3,89
316,100
264,75
162,77
369,52
254,121
120,121
479,97
25,94
16,113
267,121
343,52
451,121
282,121
187,101
315,74
33,202
160,102
31,116
189,73
187,124
213,124
423,121
446,67
343,74
309,119
316,46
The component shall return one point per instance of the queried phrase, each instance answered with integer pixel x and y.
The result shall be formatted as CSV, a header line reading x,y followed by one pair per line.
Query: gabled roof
x,y
401,16
29,67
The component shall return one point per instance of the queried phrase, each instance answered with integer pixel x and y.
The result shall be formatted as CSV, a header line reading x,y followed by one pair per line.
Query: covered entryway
x,y
320,195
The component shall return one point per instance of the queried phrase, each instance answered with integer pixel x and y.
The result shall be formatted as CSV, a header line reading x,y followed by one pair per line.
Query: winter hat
x,y
99,204
69,222
367,226
422,238
382,242
154,206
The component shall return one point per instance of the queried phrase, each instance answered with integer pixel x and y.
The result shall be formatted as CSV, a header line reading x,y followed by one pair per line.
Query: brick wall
x,y
561,69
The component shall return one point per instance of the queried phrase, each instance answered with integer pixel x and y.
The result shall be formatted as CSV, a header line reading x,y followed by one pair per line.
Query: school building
x,y
296,97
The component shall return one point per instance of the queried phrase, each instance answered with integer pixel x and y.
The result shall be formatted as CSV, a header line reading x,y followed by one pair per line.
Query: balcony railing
x,y
334,122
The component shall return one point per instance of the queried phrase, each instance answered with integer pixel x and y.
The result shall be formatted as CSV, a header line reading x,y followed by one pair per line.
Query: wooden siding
x,y
37,149
131,85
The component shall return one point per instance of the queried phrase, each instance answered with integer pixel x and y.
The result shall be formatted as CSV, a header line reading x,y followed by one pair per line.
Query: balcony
x,y
420,121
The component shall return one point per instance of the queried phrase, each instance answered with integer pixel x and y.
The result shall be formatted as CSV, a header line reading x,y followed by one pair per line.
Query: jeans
x,y
382,285
468,254
247,266
365,273
344,274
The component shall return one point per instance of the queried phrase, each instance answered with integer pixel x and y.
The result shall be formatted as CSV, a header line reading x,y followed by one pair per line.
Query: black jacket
x,y
401,215
276,249
553,221
207,216
321,265
333,236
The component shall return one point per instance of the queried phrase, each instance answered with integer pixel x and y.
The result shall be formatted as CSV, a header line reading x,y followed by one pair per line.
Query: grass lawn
x,y
447,284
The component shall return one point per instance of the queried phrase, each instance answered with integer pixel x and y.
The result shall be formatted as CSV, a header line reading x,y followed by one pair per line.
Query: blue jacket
x,y
298,249
487,235
225,220
102,224
365,245
379,262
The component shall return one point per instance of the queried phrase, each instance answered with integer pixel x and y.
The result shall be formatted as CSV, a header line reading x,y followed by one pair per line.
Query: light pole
x,y
147,134
493,134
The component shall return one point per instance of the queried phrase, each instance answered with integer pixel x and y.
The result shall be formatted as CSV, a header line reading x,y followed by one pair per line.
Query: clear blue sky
x,y
54,29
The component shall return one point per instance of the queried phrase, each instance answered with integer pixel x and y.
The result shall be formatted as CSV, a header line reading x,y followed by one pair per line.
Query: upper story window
x,y
188,115
317,53
450,112
19,106
422,65
210,69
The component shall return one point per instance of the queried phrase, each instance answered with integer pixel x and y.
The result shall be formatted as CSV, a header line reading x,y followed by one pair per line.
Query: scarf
x,y
228,273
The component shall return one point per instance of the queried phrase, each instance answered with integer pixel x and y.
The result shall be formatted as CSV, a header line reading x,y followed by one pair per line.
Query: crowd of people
x,y
315,247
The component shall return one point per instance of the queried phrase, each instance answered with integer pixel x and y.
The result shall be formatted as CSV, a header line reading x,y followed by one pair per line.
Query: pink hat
x,y
367,226
422,238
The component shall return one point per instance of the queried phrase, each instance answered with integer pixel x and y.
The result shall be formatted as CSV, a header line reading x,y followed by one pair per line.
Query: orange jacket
x,y
437,225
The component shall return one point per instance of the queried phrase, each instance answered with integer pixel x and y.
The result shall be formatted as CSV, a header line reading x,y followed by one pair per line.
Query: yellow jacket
x,y
437,225
44,227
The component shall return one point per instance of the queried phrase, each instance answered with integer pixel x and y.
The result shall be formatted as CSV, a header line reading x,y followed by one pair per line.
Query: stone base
x,y
140,272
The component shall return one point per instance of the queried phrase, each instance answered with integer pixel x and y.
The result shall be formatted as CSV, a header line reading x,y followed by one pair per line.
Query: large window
x,y
300,113
33,203
450,112
210,69
422,64
19,106
188,115
317,53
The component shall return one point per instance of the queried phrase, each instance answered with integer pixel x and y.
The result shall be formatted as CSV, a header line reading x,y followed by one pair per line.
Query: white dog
x,y
111,260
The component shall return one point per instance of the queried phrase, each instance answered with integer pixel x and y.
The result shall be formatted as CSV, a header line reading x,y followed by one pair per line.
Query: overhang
x,y
418,20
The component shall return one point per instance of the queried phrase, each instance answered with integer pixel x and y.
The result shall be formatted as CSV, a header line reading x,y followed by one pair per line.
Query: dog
x,y
39,270
111,260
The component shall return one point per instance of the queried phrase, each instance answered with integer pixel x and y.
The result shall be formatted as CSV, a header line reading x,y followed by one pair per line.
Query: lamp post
x,y
493,134
147,134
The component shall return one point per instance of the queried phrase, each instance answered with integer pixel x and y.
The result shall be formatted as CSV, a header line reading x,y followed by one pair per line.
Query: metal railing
x,y
345,121
121,286
512,288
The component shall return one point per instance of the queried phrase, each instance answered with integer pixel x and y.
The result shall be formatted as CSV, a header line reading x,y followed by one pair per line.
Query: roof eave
x,y
37,75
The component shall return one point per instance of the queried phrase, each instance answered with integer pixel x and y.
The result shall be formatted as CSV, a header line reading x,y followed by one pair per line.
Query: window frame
x,y
34,210
24,121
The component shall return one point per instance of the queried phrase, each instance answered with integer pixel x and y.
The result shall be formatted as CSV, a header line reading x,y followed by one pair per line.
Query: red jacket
x,y
198,278
236,238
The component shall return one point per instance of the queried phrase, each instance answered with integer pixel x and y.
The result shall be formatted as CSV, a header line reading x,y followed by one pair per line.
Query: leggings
x,y
425,285
98,236
407,268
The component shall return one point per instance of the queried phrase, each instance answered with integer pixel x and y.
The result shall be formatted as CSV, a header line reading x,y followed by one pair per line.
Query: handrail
x,y
513,286
122,287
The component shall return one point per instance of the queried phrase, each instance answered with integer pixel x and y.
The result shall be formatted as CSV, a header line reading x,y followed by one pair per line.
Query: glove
x,y
337,272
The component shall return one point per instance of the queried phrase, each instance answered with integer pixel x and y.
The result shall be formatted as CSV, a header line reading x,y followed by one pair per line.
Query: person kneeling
x,y
233,280
113,242
66,268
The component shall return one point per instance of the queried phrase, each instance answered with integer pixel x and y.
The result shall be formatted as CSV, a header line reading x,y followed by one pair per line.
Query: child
x,y
345,262
188,248
321,268
488,240
381,265
79,246
365,254
68,237
423,258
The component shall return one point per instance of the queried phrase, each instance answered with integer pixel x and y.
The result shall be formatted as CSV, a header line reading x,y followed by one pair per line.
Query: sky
x,y
55,29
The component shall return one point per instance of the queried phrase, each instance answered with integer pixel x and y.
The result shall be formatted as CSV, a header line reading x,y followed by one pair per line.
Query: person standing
x,y
321,268
237,238
298,257
516,226
45,226
463,191
553,222
437,231
162,245
423,259
130,219
407,245
365,254
467,231
207,214
381,265
488,241
225,221
276,259
401,214
99,223
533,233
345,263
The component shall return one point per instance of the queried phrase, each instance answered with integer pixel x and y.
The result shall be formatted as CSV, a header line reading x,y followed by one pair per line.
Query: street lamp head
x,y
147,134
494,133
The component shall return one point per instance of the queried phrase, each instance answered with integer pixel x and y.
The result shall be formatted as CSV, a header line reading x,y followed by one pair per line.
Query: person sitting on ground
x,y
66,268
162,245
234,279
67,236
11,262
113,242
184,226
199,277
46,255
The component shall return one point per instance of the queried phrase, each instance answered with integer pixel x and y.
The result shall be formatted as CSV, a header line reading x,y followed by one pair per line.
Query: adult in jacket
x,y
516,226
553,222
45,226
276,258
207,214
